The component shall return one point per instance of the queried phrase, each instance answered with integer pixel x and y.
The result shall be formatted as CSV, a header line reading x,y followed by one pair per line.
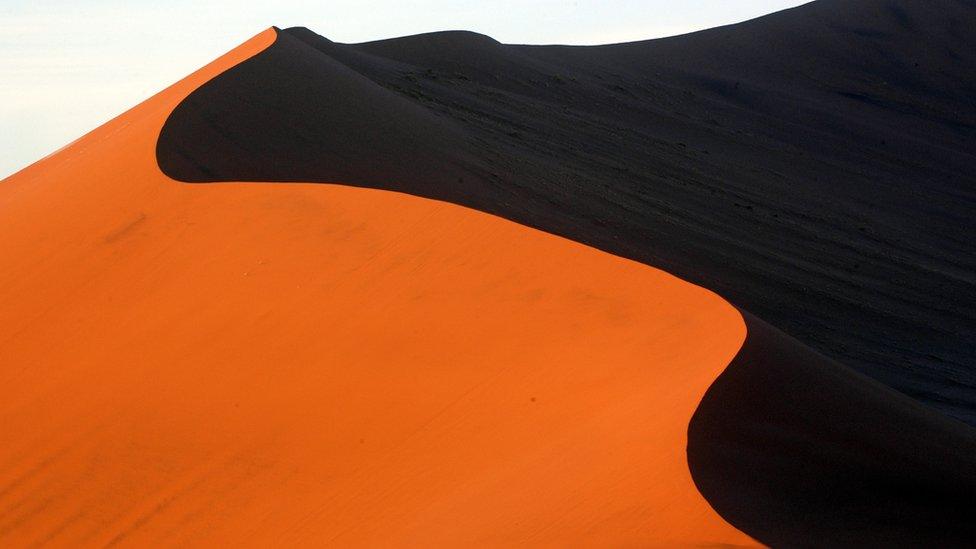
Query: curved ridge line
x,y
259,43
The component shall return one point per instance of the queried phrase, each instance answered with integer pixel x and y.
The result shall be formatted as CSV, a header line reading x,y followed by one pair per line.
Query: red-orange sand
x,y
299,364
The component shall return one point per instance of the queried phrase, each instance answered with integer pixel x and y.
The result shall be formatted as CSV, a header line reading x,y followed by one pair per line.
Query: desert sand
x,y
436,290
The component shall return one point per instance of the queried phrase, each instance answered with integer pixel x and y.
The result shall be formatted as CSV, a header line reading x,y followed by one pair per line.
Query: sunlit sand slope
x,y
247,364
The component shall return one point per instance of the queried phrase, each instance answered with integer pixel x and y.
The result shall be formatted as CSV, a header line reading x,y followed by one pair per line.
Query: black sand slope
x,y
814,166
799,451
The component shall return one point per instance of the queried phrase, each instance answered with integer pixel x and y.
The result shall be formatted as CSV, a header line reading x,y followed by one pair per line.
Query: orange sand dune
x,y
301,364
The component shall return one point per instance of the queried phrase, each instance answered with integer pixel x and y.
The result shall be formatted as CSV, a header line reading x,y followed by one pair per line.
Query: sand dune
x,y
311,364
422,300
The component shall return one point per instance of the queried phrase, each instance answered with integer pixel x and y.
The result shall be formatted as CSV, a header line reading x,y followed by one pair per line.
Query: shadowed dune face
x,y
816,160
311,364
800,451
788,446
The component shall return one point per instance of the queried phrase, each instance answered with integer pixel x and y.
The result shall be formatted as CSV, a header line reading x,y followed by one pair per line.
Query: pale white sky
x,y
67,66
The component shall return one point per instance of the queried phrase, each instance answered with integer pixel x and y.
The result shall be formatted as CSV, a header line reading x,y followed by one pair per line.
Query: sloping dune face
x,y
604,145
309,364
817,160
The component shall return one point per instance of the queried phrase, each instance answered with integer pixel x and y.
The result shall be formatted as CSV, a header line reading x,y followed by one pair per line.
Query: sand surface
x,y
411,292
311,364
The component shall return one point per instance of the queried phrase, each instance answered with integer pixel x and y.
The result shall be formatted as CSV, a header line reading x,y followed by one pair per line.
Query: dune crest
x,y
294,363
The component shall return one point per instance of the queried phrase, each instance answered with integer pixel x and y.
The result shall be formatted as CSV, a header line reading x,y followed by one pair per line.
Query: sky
x,y
68,66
